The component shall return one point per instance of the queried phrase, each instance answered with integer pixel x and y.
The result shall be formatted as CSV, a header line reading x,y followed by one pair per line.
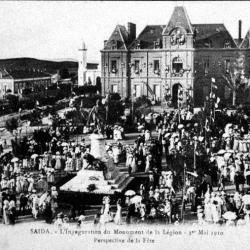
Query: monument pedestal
x,y
101,179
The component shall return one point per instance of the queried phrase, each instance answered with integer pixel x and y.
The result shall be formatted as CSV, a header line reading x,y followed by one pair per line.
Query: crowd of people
x,y
200,160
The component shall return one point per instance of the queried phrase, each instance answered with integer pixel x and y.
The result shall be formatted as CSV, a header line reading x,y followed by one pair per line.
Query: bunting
x,y
180,93
207,124
214,86
149,89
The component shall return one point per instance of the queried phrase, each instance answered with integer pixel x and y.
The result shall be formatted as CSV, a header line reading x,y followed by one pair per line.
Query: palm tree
x,y
235,79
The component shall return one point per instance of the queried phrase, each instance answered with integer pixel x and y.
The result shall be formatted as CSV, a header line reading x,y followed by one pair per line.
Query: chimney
x,y
105,43
239,30
131,32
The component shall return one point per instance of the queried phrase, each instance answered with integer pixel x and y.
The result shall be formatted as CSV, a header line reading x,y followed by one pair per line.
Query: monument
x,y
99,171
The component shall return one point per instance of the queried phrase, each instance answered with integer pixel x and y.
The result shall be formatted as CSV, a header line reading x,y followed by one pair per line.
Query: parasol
x,y
15,159
81,218
229,125
130,193
229,215
167,135
136,199
221,152
227,156
34,156
174,135
200,138
193,174
180,126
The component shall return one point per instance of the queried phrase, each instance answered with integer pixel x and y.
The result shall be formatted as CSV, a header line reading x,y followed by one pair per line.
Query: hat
x,y
60,215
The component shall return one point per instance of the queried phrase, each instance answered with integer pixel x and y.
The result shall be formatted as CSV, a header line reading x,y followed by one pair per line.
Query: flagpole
x,y
211,93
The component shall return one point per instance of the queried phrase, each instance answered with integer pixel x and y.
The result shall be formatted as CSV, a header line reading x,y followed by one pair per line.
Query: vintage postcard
x,y
124,124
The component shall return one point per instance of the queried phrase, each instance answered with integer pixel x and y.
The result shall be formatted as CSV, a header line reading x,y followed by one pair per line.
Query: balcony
x,y
157,72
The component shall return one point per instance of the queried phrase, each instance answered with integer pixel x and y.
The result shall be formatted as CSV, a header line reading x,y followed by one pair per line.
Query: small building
x,y
88,72
17,81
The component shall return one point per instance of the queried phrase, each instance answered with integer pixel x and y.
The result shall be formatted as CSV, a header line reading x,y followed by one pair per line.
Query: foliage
x,y
64,73
86,90
114,96
235,79
35,118
115,111
20,149
87,102
26,104
11,124
142,102
75,116
13,102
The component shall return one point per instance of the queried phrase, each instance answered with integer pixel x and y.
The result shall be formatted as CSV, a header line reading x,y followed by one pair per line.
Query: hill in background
x,y
46,66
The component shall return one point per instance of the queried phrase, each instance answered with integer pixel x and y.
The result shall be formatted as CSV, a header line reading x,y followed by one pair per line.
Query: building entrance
x,y
175,88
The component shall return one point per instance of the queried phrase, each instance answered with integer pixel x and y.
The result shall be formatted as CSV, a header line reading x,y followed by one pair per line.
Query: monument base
x,y
103,180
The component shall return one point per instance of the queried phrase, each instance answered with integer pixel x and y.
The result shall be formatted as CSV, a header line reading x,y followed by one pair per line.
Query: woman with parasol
x,y
118,215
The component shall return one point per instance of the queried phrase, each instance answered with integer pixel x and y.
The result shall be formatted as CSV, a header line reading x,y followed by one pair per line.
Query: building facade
x,y
17,81
87,72
165,58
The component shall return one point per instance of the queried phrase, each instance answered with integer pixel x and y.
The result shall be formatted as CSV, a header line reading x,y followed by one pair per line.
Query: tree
x,y
235,78
11,124
13,102
64,73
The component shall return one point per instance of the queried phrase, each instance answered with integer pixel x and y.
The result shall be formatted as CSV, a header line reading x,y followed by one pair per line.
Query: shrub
x,y
11,124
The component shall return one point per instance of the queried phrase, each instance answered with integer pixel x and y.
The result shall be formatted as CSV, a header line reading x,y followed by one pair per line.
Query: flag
x,y
213,83
180,93
212,95
207,124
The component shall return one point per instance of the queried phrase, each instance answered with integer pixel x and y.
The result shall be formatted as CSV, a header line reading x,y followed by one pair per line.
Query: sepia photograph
x,y
124,124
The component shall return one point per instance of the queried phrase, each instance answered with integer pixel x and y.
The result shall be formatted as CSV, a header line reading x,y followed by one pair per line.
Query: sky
x,y
54,29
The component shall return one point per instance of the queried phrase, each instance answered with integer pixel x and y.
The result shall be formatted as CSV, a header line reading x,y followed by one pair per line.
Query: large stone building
x,y
165,57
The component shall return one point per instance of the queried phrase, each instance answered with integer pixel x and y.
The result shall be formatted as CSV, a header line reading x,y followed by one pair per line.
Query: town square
x,y
141,125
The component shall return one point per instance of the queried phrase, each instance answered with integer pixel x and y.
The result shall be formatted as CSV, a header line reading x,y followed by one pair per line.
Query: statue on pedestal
x,y
97,116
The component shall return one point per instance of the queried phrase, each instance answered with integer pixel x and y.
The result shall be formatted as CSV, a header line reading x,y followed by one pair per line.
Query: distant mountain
x,y
47,66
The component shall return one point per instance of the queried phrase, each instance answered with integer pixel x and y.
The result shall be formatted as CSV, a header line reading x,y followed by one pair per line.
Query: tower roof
x,y
83,46
179,18
214,32
148,36
120,35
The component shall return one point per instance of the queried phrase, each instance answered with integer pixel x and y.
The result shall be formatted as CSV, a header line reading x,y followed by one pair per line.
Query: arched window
x,y
177,65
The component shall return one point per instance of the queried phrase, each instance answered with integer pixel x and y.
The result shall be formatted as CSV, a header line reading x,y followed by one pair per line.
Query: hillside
x,y
44,65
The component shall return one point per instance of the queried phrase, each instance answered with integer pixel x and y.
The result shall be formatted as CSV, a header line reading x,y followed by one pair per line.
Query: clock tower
x,y
82,64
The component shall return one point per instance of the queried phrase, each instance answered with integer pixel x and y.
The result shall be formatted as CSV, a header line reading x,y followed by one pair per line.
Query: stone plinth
x,y
101,179
98,146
